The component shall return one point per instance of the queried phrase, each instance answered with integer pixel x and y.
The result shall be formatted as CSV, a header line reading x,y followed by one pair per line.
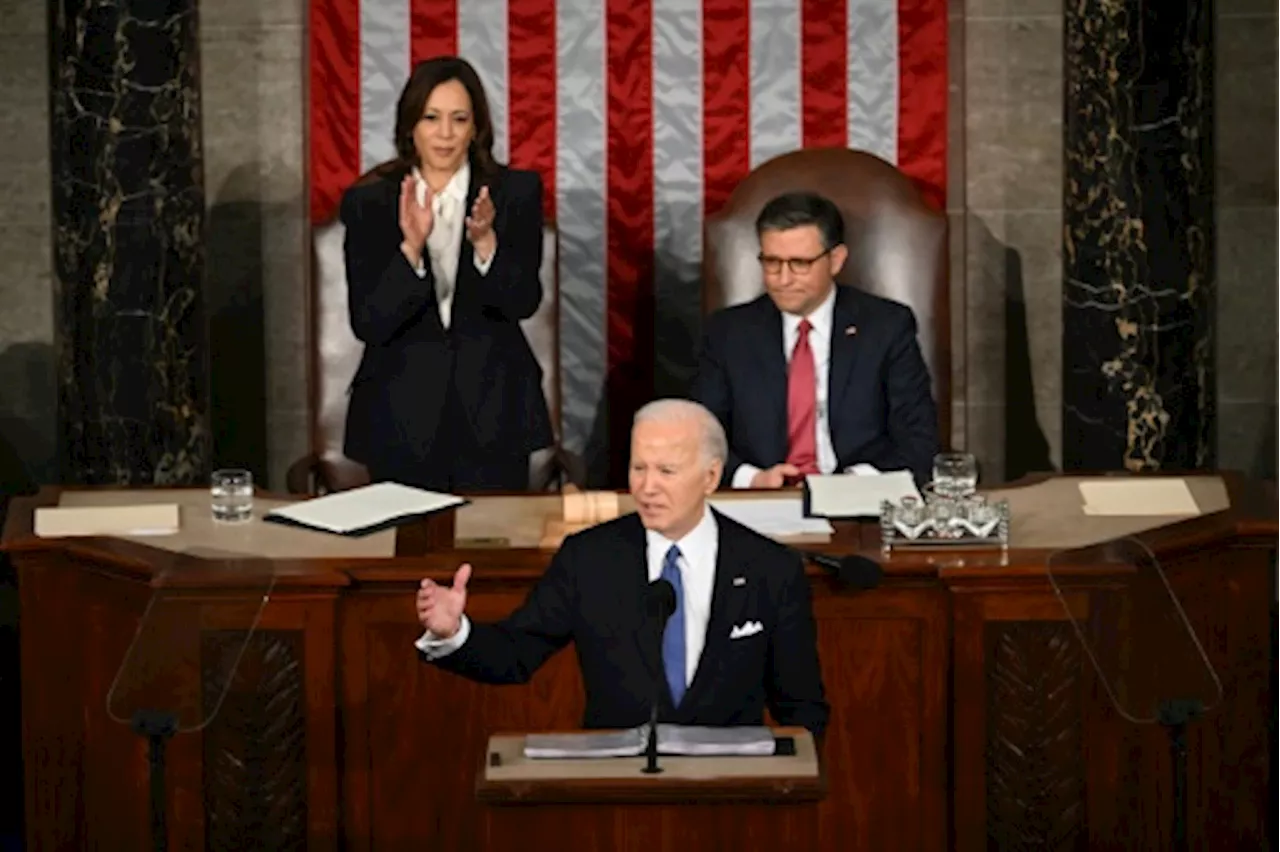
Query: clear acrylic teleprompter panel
x,y
1134,630
190,640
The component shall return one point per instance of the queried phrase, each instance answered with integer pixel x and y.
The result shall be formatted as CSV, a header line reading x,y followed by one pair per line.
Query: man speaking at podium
x,y
741,638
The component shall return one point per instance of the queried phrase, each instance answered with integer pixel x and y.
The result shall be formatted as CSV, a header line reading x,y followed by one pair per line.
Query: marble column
x,y
128,211
1138,282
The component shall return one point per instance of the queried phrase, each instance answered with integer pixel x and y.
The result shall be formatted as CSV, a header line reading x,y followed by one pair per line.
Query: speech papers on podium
x,y
736,741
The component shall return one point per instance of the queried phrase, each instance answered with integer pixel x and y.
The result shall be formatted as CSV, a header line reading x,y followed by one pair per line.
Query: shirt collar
x,y
698,540
457,186
820,318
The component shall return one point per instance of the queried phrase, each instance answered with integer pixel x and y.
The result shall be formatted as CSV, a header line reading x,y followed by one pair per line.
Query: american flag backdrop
x,y
641,116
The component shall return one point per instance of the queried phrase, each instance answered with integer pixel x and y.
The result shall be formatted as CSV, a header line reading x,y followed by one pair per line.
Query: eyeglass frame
x,y
797,265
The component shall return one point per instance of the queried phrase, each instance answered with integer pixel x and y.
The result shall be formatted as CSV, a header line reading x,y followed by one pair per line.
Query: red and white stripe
x,y
641,116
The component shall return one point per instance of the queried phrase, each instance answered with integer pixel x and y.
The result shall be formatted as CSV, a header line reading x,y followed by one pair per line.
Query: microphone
x,y
659,603
853,571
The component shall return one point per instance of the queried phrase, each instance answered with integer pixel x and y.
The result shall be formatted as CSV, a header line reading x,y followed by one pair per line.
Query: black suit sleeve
x,y
793,679
711,388
513,284
384,293
912,415
511,650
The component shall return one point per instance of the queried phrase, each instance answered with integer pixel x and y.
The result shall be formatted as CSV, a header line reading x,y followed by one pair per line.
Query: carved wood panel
x,y
255,761
1035,737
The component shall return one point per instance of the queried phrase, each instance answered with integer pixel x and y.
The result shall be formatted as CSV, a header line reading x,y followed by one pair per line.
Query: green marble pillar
x,y
128,211
1138,275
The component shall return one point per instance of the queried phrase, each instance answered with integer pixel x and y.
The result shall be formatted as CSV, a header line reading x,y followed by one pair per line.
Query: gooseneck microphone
x,y
852,571
660,604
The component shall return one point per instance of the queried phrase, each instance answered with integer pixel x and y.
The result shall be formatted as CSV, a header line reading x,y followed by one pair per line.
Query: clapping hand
x,y
440,608
416,220
480,225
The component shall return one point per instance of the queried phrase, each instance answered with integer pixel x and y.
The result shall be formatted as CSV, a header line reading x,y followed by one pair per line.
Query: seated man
x,y
814,377
742,636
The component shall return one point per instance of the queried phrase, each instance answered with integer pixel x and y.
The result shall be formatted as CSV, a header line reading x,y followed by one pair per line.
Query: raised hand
x,y
416,219
440,608
480,225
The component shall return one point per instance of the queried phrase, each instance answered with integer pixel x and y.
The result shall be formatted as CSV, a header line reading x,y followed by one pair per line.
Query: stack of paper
x,y
1138,496
364,510
843,495
628,743
147,519
774,517
738,741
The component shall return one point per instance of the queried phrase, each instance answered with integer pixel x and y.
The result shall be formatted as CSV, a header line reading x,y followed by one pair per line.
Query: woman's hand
x,y
415,219
480,226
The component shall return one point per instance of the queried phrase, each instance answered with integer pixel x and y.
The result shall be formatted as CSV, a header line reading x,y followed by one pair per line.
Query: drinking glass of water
x,y
955,475
231,493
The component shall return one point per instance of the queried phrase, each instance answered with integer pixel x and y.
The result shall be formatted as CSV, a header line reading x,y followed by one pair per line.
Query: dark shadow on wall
x,y
234,286
671,317
677,324
1026,449
29,408
1264,458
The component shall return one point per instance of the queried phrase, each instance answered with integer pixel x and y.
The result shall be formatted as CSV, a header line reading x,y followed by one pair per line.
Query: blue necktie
x,y
673,635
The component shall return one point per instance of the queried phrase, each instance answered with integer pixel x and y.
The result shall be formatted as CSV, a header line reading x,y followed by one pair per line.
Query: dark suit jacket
x,y
879,399
593,593
409,358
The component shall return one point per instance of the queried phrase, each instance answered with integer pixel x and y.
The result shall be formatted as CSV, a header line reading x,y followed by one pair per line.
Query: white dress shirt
x,y
698,551
444,243
820,345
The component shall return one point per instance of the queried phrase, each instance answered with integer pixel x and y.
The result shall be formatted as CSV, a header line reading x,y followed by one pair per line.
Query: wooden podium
x,y
694,803
964,713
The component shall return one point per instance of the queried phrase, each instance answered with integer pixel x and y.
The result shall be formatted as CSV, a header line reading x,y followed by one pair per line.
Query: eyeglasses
x,y
798,265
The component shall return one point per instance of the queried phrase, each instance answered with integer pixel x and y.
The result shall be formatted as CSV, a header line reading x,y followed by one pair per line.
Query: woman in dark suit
x,y
443,249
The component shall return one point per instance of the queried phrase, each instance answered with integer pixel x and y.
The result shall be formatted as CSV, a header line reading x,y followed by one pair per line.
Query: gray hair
x,y
715,447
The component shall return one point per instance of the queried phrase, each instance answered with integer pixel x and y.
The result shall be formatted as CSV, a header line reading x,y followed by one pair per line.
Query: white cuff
x,y
482,266
436,648
421,268
744,474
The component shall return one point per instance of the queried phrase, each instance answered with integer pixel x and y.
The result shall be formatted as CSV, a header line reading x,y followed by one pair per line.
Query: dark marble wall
x,y
128,213
1138,273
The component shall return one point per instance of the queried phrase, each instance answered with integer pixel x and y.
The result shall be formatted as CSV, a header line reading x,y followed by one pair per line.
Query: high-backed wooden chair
x,y
336,354
897,244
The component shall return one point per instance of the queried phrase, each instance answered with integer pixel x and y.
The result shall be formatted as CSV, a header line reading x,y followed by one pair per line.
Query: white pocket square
x,y
741,631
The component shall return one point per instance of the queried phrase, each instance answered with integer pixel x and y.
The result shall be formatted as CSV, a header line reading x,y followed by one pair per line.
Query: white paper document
x,y
842,495
774,516
1138,497
628,743
735,741
364,509
152,519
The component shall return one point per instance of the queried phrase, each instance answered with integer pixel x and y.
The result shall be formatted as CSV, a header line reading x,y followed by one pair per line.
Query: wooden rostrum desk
x,y
964,713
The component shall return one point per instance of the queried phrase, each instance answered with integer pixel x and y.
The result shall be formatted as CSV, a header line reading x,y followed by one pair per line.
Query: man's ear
x,y
714,472
839,255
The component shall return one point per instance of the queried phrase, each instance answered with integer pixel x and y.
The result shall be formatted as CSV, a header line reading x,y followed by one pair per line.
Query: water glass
x,y
231,495
955,475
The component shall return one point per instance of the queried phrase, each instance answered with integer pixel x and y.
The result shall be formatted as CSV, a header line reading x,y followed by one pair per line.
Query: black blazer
x,y
593,593
399,388
879,400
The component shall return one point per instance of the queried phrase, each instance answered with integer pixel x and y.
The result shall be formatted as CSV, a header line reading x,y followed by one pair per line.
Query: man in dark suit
x,y
742,636
860,393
